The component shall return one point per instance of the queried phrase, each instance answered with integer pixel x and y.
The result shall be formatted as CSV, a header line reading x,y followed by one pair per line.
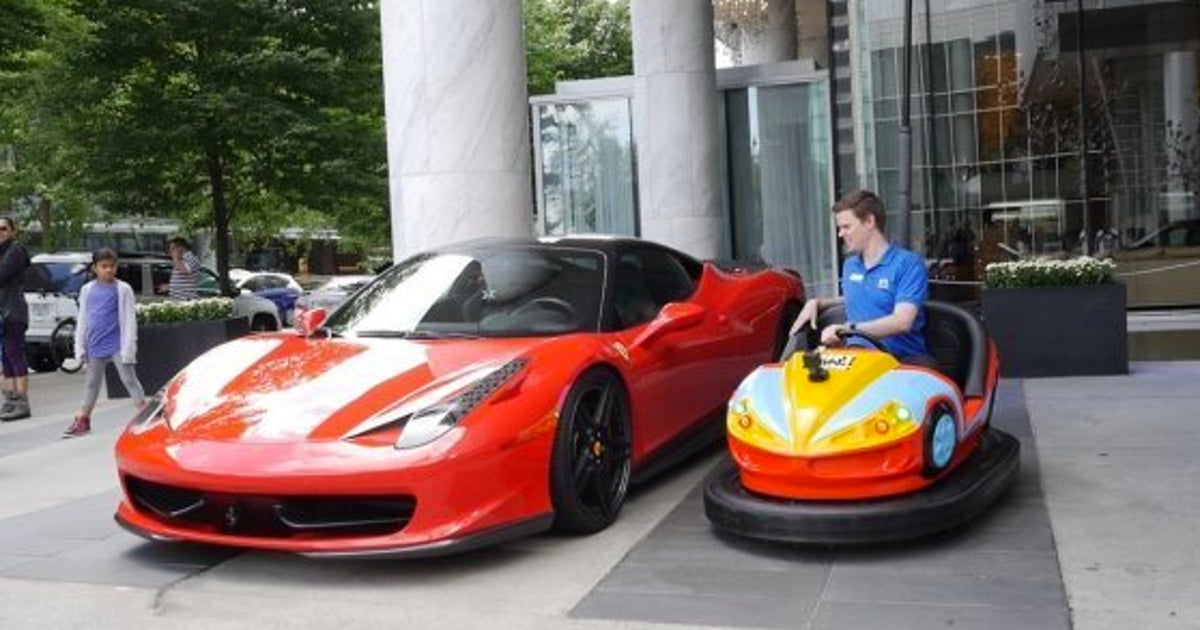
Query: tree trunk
x,y
46,218
220,209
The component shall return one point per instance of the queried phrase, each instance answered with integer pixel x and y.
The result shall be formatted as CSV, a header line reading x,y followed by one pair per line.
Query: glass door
x,y
778,165
585,170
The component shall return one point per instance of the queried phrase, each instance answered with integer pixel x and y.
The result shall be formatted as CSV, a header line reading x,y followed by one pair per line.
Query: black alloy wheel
x,y
62,347
263,323
591,464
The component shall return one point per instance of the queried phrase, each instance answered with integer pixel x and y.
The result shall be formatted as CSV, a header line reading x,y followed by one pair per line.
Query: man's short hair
x,y
180,242
863,203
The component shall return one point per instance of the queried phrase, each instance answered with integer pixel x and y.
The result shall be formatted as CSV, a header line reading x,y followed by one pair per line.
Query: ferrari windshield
x,y
493,292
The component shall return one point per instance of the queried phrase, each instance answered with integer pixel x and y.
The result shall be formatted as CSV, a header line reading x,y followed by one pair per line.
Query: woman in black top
x,y
14,260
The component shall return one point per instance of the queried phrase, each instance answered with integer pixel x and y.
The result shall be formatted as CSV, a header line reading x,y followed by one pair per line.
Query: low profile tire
x,y
941,439
590,466
263,323
62,347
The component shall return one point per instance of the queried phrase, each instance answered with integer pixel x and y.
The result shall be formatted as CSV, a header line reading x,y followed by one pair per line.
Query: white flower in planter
x,y
206,309
1081,271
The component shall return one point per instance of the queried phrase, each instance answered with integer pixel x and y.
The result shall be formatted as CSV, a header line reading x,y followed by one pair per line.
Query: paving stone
x,y
702,610
948,576
876,616
78,542
999,571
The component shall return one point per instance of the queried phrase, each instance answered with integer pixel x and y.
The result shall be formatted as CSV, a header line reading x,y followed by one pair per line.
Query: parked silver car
x,y
332,293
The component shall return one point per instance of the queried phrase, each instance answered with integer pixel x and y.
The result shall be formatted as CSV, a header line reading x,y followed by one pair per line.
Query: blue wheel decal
x,y
943,440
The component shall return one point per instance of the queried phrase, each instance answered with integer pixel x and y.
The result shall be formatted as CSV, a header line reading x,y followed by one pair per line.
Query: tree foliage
x,y
576,39
224,112
39,168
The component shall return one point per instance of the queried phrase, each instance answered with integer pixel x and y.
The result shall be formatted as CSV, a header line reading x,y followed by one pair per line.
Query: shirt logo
x,y
883,283
856,277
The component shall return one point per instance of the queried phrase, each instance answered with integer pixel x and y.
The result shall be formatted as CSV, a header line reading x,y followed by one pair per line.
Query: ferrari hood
x,y
286,388
865,401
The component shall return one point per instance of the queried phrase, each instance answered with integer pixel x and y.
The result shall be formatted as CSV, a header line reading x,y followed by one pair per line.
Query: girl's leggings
x,y
95,375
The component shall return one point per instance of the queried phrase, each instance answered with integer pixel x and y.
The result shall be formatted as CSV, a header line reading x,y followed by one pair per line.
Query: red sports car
x,y
467,395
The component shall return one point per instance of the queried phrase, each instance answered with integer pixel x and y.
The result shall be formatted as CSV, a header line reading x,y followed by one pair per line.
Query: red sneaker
x,y
80,427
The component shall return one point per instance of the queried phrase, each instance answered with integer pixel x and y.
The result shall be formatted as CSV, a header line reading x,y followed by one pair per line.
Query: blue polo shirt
x,y
899,276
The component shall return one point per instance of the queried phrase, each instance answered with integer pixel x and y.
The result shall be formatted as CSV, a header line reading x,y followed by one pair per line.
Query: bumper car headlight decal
x,y
435,421
891,423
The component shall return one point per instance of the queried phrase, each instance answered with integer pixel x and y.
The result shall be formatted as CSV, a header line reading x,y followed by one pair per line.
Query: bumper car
x,y
849,446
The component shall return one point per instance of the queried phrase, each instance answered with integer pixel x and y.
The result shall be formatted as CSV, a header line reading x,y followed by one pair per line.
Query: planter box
x,y
1059,331
165,349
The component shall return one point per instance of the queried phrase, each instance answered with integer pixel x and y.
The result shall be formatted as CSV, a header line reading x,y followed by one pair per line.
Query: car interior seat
x,y
955,338
632,300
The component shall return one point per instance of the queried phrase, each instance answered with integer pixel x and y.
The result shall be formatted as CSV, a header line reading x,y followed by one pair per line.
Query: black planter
x,y
165,349
1059,331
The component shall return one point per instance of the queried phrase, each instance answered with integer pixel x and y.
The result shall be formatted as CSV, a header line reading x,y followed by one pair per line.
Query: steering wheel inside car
x,y
558,305
875,342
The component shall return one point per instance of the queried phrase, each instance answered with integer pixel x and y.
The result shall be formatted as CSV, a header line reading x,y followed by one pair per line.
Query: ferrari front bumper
x,y
958,497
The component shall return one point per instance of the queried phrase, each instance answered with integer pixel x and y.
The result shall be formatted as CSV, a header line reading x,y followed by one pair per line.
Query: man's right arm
x,y
812,308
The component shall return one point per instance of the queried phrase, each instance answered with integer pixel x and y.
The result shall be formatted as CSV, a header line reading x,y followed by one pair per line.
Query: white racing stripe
x,y
294,412
208,374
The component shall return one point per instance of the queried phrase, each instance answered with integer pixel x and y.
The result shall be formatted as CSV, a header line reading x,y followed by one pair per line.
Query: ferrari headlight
x,y
435,421
153,413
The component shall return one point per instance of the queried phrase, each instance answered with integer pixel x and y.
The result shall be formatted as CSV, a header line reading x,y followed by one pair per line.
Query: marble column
x,y
1181,110
775,40
457,121
675,124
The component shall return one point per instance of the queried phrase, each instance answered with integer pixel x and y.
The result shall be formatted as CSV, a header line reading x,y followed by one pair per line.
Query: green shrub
x,y
1080,271
191,311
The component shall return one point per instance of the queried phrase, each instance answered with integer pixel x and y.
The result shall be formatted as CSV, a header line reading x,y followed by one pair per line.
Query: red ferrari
x,y
468,395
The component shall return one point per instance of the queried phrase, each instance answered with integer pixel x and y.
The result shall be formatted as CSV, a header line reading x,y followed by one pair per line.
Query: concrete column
x,y
775,40
1181,110
457,121
675,124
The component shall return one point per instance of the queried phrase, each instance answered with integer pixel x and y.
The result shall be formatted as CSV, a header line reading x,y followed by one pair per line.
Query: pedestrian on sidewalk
x,y
105,332
14,315
184,267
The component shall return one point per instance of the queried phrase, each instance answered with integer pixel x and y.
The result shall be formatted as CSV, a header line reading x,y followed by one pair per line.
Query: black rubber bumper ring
x,y
953,500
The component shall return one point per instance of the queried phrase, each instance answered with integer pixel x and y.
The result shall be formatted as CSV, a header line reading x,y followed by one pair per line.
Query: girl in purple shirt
x,y
106,332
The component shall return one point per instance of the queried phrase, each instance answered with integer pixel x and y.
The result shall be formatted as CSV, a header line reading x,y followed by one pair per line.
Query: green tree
x,y
576,39
37,167
242,107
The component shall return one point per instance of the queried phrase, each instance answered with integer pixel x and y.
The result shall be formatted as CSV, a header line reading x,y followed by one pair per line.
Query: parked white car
x,y
52,290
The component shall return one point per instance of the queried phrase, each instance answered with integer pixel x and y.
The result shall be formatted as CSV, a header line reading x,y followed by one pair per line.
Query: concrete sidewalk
x,y
1120,459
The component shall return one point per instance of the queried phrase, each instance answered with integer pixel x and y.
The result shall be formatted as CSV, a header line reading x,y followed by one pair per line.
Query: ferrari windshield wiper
x,y
415,334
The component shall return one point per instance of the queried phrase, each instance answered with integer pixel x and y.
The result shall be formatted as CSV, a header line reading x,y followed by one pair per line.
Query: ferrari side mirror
x,y
308,321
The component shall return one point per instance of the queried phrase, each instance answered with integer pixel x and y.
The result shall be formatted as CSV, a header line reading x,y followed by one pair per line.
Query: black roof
x,y
605,244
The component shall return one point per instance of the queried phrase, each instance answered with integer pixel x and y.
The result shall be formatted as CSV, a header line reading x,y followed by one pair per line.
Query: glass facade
x,y
778,174
585,167
998,130
776,165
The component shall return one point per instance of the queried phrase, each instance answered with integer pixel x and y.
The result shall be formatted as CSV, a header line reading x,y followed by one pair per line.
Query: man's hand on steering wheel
x,y
832,335
842,332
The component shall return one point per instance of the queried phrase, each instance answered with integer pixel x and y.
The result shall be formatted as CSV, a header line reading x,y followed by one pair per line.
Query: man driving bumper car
x,y
881,433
